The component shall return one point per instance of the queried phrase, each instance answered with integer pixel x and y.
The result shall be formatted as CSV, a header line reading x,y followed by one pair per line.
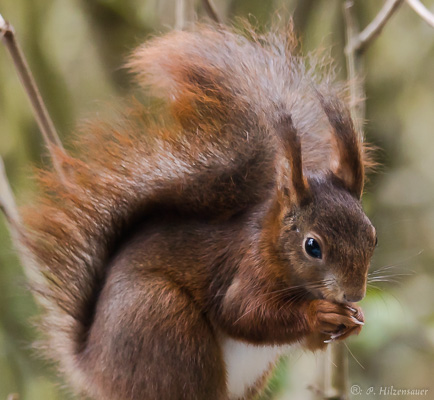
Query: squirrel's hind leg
x,y
149,341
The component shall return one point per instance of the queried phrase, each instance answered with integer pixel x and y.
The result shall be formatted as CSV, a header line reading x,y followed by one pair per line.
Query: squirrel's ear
x,y
348,165
299,191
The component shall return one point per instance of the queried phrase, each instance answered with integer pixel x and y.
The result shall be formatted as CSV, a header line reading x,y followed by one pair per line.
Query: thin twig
x,y
371,32
16,229
51,138
318,387
354,69
211,11
7,201
184,14
423,12
336,379
9,209
179,14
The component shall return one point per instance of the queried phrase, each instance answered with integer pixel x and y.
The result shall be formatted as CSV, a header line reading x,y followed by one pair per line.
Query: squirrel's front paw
x,y
334,320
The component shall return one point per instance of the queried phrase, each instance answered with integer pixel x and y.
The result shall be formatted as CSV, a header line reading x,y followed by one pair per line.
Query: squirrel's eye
x,y
312,248
376,241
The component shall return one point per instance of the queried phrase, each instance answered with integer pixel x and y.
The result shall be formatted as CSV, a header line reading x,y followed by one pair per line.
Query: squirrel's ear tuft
x,y
299,191
348,164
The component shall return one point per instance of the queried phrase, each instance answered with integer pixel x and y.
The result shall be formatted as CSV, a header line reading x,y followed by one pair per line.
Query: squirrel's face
x,y
324,236
328,243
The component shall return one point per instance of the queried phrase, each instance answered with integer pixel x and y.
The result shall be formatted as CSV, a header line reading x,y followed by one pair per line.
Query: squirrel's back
x,y
206,149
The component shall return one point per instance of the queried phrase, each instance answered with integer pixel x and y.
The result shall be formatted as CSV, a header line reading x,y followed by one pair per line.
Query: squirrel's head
x,y
324,235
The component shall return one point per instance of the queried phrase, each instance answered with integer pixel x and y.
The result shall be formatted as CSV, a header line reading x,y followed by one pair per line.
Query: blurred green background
x,y
75,49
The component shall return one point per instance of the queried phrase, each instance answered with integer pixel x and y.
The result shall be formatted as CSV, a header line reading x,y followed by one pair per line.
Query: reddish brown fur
x,y
180,223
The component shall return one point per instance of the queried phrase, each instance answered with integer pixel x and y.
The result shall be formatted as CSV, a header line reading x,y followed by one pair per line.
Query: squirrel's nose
x,y
354,297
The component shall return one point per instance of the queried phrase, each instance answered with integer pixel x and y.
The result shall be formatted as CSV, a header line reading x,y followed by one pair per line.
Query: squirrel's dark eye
x,y
312,248
376,241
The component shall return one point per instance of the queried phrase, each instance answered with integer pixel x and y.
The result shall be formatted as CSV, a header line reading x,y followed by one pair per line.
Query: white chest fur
x,y
246,363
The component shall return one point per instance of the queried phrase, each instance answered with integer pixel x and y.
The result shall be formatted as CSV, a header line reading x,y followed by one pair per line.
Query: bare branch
x,y
184,13
7,201
336,378
371,32
423,12
179,14
10,211
211,11
16,230
7,34
354,69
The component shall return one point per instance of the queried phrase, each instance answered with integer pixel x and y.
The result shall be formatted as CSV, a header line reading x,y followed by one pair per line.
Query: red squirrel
x,y
221,220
